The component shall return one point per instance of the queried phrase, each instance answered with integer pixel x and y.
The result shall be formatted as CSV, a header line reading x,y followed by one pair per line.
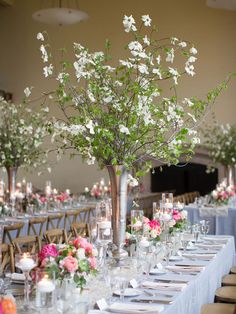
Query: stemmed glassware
x,y
196,232
26,262
185,241
168,251
205,227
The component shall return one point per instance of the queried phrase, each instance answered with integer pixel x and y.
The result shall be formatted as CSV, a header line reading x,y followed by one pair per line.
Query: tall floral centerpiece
x,y
220,141
123,116
22,132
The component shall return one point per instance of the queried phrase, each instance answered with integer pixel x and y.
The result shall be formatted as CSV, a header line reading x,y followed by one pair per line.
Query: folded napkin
x,y
210,246
204,256
219,240
135,308
174,286
185,268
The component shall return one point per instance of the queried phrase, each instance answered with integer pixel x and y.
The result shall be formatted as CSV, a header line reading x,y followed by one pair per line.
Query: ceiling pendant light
x,y
60,15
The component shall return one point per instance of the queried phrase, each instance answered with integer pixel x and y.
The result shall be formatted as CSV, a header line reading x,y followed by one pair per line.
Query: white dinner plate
x,y
191,248
156,271
129,292
176,258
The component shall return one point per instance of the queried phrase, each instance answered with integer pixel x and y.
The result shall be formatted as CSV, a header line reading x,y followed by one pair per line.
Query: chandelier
x,y
58,14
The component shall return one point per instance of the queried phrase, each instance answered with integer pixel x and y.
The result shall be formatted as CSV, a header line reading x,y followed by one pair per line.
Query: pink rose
x,y
70,264
47,251
153,224
88,248
145,220
80,243
176,215
92,261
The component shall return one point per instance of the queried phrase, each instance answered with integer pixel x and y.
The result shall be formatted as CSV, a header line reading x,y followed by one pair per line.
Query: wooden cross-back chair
x,y
7,263
70,218
54,220
84,214
79,229
57,236
36,226
12,231
31,244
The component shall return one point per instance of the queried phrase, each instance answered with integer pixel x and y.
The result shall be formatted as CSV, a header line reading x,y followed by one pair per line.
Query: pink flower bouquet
x,y
76,259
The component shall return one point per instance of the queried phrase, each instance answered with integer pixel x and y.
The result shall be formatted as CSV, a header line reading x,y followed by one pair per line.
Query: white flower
x,y
146,20
127,64
124,129
135,45
146,40
40,36
192,116
153,233
173,40
127,235
95,252
132,181
175,74
44,53
157,72
80,253
158,58
183,214
170,56
48,70
129,23
171,223
49,170
90,126
189,68
192,59
193,50
182,44
143,68
188,102
91,161
27,91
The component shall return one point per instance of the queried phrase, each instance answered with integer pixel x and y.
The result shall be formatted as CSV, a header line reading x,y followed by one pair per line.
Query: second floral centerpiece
x,y
74,261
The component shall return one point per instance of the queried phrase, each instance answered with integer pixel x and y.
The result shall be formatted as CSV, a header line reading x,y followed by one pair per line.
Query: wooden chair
x,y
36,225
57,236
31,244
12,231
7,262
229,280
233,270
54,221
70,218
79,229
226,294
218,308
84,214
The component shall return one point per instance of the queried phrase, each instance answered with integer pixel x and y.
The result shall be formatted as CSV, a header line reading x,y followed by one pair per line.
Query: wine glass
x,y
147,261
26,262
184,241
205,227
168,251
196,231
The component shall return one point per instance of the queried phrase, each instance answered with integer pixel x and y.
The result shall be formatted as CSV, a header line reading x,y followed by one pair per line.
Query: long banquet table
x,y
219,224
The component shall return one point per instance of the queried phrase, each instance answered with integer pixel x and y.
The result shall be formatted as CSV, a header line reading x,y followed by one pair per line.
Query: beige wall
x,y
212,31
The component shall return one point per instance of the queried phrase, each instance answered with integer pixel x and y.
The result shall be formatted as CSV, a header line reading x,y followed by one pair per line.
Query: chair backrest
x,y
31,244
79,229
7,262
84,214
36,225
57,236
54,220
12,231
70,217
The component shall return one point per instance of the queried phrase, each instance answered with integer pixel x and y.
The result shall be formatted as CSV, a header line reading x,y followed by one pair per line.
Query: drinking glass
x,y
45,289
185,241
136,221
205,227
168,251
196,232
147,261
26,262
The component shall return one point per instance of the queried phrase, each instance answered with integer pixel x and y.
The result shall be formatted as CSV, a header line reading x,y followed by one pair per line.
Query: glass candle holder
x,y
167,200
26,262
45,289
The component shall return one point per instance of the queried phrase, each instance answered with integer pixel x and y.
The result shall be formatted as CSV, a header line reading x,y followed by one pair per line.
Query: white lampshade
x,y
59,16
222,4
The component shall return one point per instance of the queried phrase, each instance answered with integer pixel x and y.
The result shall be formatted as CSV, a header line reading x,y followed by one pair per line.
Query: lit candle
x,y
179,205
28,188
137,224
102,182
55,192
86,189
168,204
26,263
67,191
45,285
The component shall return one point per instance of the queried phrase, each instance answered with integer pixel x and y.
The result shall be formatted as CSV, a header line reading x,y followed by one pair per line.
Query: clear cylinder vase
x,y
118,178
230,174
11,174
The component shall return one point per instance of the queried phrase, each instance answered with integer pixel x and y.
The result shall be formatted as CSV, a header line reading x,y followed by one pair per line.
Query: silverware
x,y
152,301
151,294
171,280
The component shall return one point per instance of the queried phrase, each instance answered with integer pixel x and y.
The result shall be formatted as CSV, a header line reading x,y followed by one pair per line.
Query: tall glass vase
x,y
11,174
118,178
230,174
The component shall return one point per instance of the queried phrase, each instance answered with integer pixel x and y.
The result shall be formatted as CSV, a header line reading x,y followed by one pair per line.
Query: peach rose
x,y
70,264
